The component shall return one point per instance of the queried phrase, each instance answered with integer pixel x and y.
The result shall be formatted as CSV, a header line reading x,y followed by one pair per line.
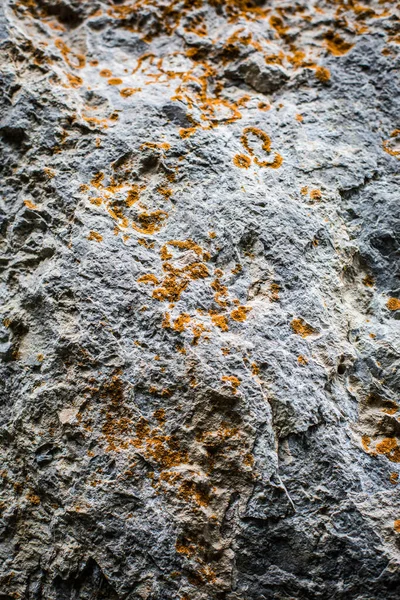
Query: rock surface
x,y
200,338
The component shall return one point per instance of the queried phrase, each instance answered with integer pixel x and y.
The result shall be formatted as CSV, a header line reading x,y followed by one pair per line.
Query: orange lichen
x,y
166,192
30,205
126,92
274,164
322,74
393,138
299,118
105,73
315,194
302,360
115,81
390,448
304,190
396,525
234,381
181,322
148,278
393,304
394,478
240,313
255,369
302,328
220,321
242,161
33,498
74,80
94,236
150,223
274,292
368,281
365,442
336,44
266,141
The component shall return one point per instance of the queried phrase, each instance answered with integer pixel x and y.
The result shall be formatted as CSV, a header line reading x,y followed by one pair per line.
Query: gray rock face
x,y
200,331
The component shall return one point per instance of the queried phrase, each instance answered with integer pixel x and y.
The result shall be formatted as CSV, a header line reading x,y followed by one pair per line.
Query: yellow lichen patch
x,y
299,118
302,360
336,45
393,304
240,313
94,236
302,328
304,190
242,161
150,223
115,81
322,74
234,381
219,321
181,322
126,92
148,278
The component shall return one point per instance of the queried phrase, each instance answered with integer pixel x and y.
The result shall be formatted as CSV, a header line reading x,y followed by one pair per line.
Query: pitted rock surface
x,y
200,332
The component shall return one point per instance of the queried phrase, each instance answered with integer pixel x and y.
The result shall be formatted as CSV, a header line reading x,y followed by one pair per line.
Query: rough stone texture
x,y
201,300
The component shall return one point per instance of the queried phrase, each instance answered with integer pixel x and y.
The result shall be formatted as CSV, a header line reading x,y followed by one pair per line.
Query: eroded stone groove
x,y
199,341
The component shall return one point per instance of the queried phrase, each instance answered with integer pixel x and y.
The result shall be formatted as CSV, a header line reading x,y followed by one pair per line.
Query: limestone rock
x,y
199,344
